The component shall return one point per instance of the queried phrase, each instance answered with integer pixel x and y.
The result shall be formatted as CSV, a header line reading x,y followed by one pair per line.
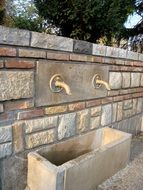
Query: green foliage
x,y
87,19
25,15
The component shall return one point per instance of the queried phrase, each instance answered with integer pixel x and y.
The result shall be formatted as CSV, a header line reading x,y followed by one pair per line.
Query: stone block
x,y
135,79
82,47
29,114
18,138
132,55
96,111
95,122
1,63
126,80
141,79
67,126
5,134
5,150
112,52
32,53
140,57
18,105
115,80
106,116
119,111
51,42
139,105
82,121
128,104
99,50
122,53
39,124
114,116
134,109
41,138
1,108
16,84
14,36
22,64
76,106
55,109
9,52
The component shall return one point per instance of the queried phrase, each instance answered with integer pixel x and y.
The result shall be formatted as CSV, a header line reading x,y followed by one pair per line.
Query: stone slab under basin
x,y
80,163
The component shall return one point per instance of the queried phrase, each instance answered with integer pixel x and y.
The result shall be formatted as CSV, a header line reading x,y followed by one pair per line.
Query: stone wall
x,y
25,127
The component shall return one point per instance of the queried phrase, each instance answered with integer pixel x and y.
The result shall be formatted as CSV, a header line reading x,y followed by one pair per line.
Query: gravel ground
x,y
131,177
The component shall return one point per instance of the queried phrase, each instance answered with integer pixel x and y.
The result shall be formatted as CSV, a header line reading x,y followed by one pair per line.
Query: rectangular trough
x,y
80,163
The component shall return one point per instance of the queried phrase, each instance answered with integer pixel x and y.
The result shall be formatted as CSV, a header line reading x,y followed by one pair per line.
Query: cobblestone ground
x,y
131,177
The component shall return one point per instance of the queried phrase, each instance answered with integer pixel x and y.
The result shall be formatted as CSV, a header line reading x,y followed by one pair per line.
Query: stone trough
x,y
81,163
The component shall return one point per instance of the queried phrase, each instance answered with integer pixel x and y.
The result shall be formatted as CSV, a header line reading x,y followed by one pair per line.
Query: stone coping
x,y
17,37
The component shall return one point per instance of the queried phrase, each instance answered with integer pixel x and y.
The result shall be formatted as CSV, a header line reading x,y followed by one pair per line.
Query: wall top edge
x,y
18,37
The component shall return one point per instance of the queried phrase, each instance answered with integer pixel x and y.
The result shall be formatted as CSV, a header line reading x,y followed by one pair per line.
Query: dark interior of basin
x,y
68,150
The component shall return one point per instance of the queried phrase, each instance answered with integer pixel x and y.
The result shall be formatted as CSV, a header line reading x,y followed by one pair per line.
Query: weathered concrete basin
x,y
81,163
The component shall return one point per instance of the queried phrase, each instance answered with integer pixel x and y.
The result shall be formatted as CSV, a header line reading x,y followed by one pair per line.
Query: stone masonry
x,y
25,127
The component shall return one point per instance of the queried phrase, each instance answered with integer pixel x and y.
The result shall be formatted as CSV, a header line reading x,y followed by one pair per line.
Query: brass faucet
x,y
57,84
97,82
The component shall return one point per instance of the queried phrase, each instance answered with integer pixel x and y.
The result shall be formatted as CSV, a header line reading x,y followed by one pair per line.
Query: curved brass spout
x,y
63,85
104,83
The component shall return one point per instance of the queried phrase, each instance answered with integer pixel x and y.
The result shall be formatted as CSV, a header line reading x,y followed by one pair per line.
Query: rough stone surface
x,y
40,124
82,121
66,126
106,116
126,80
16,84
112,52
139,105
5,134
99,50
141,79
96,111
18,138
1,108
120,111
41,138
82,47
135,79
128,104
115,80
51,42
132,55
55,109
134,109
122,53
14,173
114,116
14,36
5,150
95,122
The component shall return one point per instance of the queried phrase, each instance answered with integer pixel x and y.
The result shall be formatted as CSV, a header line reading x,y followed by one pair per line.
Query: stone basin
x,y
80,163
